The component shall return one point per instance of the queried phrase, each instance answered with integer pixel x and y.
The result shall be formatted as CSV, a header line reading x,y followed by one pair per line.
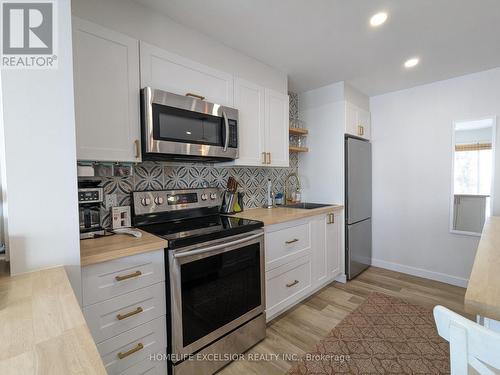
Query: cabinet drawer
x,y
282,244
110,279
147,367
286,283
119,314
129,348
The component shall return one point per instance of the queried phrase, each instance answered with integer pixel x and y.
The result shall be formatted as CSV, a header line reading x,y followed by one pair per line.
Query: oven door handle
x,y
217,247
226,130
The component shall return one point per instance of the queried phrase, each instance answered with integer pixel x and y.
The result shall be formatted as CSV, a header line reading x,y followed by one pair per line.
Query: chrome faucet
x,y
288,198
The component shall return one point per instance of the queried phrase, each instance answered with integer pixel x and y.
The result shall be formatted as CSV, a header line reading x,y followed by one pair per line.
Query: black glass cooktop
x,y
188,232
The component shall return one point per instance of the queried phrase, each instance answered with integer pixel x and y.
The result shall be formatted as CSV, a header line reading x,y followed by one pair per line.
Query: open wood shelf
x,y
298,131
298,149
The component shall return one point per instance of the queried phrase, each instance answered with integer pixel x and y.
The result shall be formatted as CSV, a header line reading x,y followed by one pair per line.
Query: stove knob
x,y
145,201
159,200
204,197
213,196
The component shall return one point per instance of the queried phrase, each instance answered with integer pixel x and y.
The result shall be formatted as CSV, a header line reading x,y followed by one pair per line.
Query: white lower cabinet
x,y
117,315
333,244
106,280
285,245
302,256
321,250
286,284
132,347
124,304
147,367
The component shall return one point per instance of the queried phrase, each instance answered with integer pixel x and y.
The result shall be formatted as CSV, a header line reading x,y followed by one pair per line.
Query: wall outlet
x,y
111,201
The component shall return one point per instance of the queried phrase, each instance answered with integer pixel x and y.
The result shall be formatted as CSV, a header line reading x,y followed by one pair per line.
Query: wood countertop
x,y
42,328
276,215
98,250
483,291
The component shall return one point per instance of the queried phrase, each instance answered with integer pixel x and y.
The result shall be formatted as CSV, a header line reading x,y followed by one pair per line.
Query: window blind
x,y
473,147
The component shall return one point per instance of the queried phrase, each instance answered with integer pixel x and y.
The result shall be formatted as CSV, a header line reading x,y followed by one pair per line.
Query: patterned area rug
x,y
384,335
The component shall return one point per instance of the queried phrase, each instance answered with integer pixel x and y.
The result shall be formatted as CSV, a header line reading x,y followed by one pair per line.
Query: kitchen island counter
x,y
483,291
42,328
98,250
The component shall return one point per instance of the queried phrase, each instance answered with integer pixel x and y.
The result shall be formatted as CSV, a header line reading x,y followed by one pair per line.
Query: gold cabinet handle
x,y
137,149
195,96
269,162
264,158
129,276
129,314
331,218
292,284
361,130
122,355
292,241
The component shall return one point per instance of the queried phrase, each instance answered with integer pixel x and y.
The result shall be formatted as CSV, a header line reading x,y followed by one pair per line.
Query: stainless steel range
x,y
215,282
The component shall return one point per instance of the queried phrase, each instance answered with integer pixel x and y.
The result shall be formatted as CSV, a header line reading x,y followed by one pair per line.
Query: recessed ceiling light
x,y
410,63
378,19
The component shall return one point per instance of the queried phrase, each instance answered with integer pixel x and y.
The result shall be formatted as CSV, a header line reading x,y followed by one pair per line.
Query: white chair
x,y
470,343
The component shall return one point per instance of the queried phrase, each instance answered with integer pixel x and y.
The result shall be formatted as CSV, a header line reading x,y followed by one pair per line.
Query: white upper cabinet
x,y
106,80
277,129
249,99
364,121
358,121
262,125
166,71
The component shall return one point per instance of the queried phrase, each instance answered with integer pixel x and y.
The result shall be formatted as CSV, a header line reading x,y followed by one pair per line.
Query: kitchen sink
x,y
306,206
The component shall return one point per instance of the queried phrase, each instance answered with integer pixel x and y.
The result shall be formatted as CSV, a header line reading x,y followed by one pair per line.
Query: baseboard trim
x,y
341,278
420,272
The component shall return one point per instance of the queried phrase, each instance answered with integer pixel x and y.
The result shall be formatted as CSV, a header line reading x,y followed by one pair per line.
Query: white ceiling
x,y
318,42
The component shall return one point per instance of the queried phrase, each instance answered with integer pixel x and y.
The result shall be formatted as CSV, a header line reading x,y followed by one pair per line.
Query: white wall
x,y
356,97
322,168
39,161
412,172
3,191
144,24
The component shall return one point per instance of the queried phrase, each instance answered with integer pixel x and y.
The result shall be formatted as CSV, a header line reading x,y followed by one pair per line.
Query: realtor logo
x,y
28,35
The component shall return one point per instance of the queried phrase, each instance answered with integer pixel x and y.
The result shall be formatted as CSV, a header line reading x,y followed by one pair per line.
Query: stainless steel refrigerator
x,y
358,205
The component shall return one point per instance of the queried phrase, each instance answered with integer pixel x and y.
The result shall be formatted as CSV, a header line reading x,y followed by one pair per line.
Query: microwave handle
x,y
226,130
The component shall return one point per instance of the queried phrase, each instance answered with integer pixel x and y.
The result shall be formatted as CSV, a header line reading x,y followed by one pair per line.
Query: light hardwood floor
x,y
299,329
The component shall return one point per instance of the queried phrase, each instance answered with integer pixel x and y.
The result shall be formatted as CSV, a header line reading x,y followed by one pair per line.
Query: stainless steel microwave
x,y
176,127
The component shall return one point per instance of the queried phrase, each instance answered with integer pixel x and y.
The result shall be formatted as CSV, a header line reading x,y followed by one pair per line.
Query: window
x,y
473,171
472,175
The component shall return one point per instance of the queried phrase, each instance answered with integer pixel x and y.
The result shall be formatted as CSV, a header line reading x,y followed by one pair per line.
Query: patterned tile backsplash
x,y
159,175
